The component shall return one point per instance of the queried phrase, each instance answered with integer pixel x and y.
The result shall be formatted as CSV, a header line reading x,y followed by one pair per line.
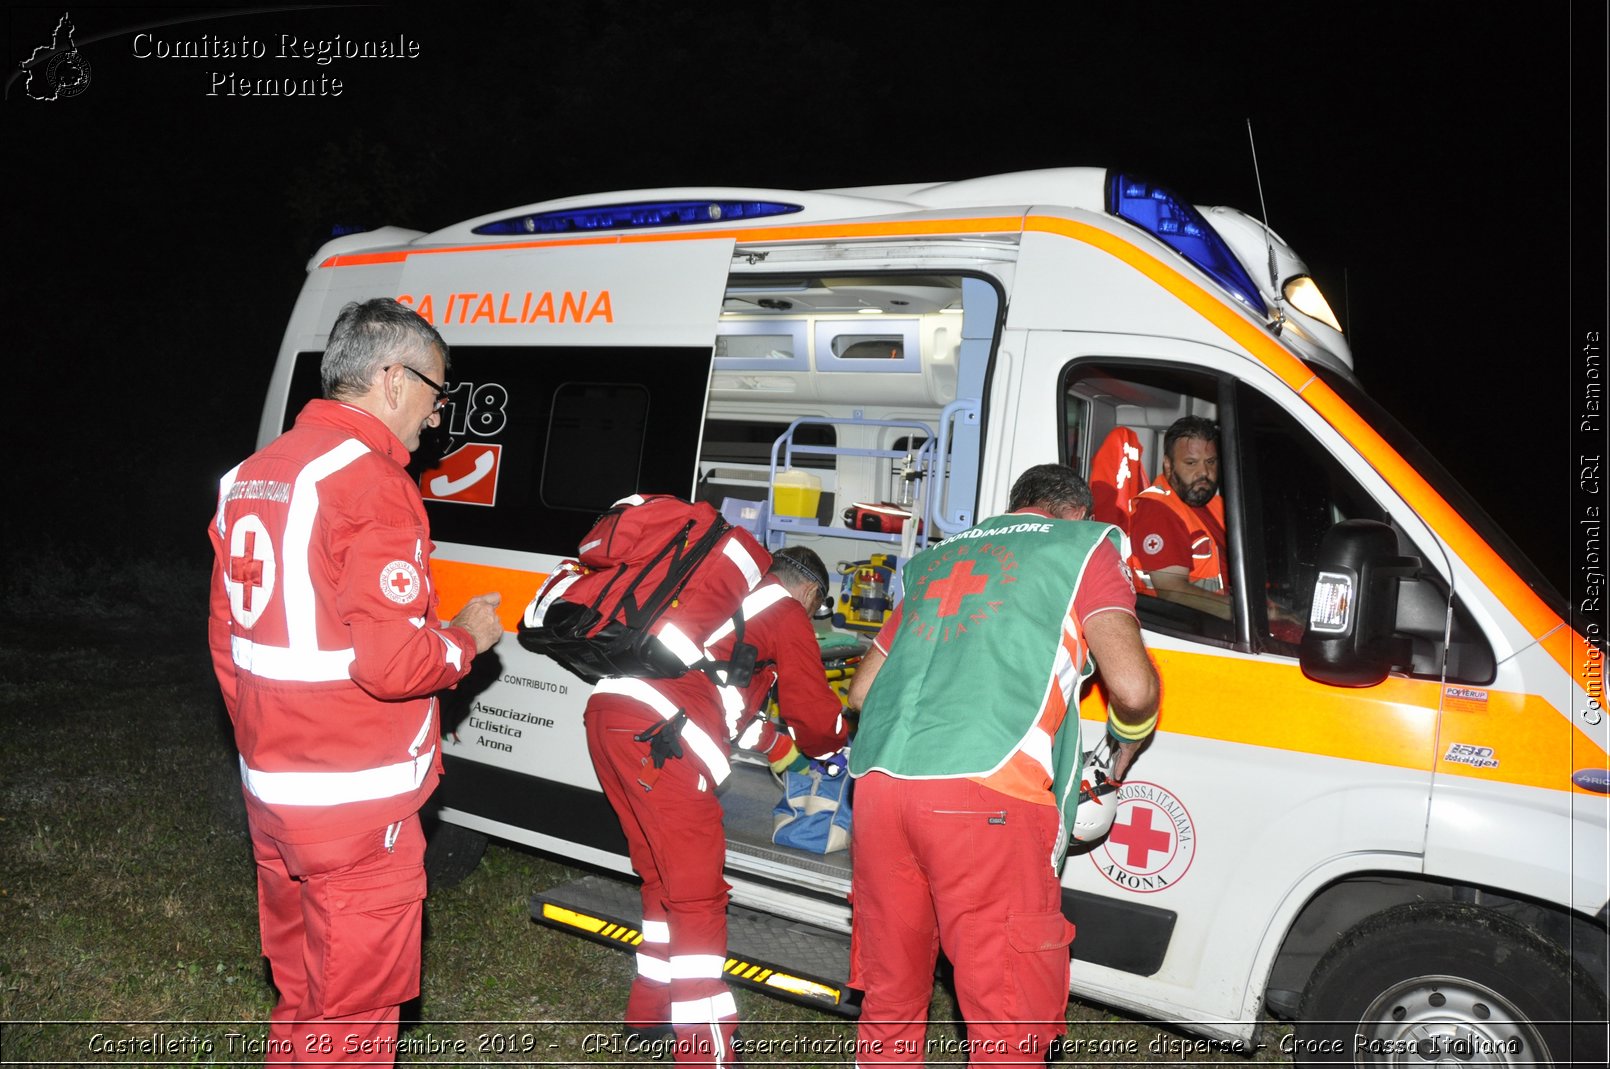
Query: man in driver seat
x,y
1176,525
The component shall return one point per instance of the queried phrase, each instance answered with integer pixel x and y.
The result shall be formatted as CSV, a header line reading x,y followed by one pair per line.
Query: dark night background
x,y
1441,170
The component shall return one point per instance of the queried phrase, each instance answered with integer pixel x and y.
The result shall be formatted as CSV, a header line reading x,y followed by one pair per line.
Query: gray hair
x,y
367,336
1050,487
797,565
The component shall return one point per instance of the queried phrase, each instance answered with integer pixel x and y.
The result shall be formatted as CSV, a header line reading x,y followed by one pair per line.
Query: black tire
x,y
451,853
1442,984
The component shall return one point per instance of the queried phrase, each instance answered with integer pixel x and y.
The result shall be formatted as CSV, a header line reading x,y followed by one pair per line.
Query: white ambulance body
x,y
1401,822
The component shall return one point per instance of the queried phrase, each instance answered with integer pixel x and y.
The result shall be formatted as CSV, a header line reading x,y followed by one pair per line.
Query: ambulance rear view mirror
x,y
1349,640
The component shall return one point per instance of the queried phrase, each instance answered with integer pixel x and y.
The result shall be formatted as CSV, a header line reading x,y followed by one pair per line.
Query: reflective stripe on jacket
x,y
323,628
1207,563
781,632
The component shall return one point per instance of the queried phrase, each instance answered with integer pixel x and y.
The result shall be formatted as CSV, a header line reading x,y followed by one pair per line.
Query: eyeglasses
x,y
442,392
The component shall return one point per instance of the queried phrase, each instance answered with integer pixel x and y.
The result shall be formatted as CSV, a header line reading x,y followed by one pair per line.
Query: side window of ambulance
x,y
1295,491
1116,417
1278,489
535,442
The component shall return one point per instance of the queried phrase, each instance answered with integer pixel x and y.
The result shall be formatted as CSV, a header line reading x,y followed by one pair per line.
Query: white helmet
x,y
1098,796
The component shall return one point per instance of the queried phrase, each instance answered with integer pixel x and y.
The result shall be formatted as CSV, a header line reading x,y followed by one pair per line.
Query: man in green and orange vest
x,y
967,766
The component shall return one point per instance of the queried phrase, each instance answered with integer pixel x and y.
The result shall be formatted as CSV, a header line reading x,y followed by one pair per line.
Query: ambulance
x,y
1380,814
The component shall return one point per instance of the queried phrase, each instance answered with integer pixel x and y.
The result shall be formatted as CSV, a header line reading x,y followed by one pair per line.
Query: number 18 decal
x,y
468,473
476,409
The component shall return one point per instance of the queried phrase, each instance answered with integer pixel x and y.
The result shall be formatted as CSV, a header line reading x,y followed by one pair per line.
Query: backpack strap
x,y
682,556
742,663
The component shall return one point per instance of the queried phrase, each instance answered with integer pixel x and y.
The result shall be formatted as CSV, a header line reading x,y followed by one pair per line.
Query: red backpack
x,y
652,579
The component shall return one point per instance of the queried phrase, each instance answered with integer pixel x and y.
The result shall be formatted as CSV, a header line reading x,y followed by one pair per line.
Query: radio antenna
x,y
1274,281
1347,305
1268,239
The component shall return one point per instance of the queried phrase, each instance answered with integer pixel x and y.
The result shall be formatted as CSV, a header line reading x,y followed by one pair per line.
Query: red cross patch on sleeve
x,y
399,581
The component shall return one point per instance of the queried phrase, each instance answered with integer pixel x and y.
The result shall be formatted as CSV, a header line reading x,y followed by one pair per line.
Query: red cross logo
x,y
399,581
1142,859
247,570
954,587
1139,836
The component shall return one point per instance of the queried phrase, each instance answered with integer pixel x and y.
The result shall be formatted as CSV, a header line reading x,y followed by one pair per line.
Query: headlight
x,y
1303,293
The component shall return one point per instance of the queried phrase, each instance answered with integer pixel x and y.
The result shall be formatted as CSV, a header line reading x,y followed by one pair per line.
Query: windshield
x,y
1445,484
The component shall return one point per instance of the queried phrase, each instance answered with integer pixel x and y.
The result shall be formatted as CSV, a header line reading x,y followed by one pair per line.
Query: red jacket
x,y
1203,554
778,627
324,631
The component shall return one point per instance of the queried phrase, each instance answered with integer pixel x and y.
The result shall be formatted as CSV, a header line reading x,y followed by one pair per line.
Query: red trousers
x,y
676,843
948,863
341,927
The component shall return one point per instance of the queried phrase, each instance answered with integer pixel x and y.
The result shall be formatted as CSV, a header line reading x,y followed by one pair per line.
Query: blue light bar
x,y
636,216
1181,227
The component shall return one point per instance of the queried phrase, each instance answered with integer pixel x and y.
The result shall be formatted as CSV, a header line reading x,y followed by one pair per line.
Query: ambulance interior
x,y
848,355
843,417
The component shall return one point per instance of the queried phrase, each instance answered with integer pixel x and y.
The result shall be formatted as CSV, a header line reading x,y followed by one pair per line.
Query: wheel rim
x,y
1447,1021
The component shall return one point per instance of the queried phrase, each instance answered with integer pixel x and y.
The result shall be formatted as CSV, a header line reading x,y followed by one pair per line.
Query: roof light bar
x,y
1180,226
637,215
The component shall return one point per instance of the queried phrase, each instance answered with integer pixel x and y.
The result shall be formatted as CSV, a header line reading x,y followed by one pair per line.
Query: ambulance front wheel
x,y
452,852
1438,984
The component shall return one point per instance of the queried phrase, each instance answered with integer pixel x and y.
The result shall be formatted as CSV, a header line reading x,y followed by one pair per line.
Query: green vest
x,y
979,656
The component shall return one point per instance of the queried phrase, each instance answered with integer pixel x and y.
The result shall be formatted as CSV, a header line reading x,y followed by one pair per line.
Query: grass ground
x,y
126,892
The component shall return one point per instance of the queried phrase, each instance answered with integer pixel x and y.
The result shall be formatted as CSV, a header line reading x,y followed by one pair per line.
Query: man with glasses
x,y
329,653
442,392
